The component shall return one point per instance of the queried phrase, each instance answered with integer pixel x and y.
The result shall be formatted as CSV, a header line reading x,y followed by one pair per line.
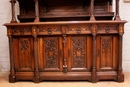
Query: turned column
x,y
12,70
64,29
36,11
117,10
92,18
94,70
13,20
120,74
36,72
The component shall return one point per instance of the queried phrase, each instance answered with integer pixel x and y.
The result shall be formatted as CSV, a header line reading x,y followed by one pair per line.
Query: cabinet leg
x,y
94,76
36,79
120,77
12,76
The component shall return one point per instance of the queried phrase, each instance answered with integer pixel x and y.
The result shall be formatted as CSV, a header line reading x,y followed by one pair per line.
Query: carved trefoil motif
x,y
24,44
106,44
51,52
78,52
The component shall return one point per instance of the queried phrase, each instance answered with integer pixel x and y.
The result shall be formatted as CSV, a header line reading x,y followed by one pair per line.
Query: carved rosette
x,y
94,29
121,29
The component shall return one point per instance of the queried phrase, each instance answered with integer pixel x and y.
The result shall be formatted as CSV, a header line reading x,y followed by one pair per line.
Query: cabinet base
x,y
69,76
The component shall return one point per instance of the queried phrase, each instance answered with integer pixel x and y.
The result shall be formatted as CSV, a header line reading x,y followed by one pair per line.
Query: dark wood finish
x,y
65,41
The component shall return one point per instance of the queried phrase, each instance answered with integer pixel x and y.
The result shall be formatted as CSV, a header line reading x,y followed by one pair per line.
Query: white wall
x,y
5,17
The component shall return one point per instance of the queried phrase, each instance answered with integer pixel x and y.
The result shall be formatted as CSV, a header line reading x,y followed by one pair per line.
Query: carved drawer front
x,y
80,53
22,30
50,53
49,30
107,52
23,54
107,28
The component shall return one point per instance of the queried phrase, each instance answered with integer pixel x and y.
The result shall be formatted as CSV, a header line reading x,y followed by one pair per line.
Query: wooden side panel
x,y
50,53
80,50
107,53
23,54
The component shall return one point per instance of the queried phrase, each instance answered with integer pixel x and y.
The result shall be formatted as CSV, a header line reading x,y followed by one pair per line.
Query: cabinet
x,y
79,41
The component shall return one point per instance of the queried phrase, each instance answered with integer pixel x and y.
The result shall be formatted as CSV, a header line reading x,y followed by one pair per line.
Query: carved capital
x,y
94,29
64,29
121,29
34,31
9,31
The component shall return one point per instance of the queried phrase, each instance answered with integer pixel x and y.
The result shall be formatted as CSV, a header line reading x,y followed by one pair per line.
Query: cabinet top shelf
x,y
66,22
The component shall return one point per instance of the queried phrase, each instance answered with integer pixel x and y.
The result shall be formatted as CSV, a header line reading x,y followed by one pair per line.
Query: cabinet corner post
x,y
119,72
11,52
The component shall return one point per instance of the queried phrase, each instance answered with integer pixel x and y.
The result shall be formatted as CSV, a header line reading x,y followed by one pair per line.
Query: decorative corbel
x,y
121,29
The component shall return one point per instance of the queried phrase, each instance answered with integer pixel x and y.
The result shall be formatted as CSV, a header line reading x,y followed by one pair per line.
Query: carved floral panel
x,y
51,52
79,50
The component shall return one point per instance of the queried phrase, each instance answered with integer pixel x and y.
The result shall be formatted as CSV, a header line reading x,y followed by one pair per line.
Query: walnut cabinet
x,y
82,41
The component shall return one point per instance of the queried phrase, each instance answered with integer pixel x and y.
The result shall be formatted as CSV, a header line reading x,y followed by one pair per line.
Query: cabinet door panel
x,y
50,53
107,52
80,53
23,54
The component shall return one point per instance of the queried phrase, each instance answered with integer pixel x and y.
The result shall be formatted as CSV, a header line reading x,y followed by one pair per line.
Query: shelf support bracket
x,y
92,18
36,11
13,20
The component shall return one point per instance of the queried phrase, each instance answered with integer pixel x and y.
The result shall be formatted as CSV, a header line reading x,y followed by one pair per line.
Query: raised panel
x,y
23,54
107,53
50,53
80,53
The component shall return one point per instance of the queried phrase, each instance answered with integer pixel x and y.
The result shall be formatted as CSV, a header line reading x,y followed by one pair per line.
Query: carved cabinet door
x,y
50,53
23,53
107,52
79,53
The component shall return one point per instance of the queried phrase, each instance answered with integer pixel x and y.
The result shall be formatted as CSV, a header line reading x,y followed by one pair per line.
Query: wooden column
x,y
120,74
12,71
117,11
36,11
13,20
36,73
92,18
94,71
